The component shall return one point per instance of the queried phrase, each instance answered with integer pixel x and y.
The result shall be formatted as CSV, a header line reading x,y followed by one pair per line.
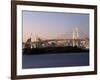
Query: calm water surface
x,y
55,60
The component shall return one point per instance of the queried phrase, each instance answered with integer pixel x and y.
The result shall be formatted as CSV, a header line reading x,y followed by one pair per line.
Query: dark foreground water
x,y
55,60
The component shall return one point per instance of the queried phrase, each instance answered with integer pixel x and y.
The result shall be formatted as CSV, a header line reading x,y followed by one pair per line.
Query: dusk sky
x,y
48,25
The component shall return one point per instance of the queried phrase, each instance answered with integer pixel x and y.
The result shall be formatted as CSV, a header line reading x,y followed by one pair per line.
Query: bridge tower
x,y
28,43
31,40
75,37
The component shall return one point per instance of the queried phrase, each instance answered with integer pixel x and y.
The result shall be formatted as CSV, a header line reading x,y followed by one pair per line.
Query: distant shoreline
x,y
46,50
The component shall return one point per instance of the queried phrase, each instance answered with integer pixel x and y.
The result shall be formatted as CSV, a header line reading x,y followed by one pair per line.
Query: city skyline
x,y
48,25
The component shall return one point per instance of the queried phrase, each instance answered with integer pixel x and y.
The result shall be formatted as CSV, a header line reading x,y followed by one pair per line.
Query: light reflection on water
x,y
55,60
